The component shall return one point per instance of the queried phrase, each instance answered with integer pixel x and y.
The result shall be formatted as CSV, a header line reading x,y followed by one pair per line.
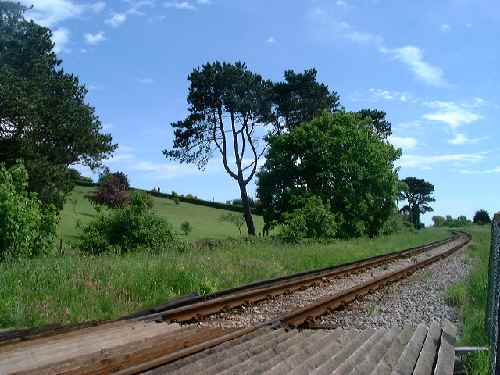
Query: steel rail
x,y
309,313
197,311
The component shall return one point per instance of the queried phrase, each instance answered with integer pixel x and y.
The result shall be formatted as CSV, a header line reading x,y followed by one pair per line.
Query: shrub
x,y
186,228
112,190
481,217
396,223
313,220
129,229
27,228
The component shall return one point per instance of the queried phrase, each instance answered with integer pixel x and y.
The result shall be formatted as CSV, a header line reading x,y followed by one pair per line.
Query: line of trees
x,y
237,114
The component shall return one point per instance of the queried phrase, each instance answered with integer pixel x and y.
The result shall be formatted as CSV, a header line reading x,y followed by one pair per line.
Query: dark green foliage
x,y
112,190
78,179
186,228
448,221
481,217
377,122
313,220
418,194
44,119
237,219
439,221
396,223
338,158
129,229
300,98
27,228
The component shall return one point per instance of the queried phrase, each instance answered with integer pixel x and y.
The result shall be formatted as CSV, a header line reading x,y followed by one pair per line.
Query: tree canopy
x,y
481,217
226,106
418,194
338,158
44,118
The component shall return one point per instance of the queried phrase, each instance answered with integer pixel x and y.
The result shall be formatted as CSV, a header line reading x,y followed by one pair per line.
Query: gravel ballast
x,y
417,299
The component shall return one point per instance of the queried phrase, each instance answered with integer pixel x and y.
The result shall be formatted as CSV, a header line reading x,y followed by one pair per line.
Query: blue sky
x,y
433,66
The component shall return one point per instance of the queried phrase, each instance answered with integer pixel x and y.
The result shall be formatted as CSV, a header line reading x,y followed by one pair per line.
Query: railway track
x,y
153,338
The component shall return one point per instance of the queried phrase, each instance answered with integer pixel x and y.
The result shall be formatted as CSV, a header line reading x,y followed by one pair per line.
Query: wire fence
x,y
492,309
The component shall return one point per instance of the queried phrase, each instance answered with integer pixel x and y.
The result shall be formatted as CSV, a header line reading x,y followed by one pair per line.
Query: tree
x,y
481,217
300,98
44,119
439,221
377,122
186,227
417,193
112,190
337,158
227,103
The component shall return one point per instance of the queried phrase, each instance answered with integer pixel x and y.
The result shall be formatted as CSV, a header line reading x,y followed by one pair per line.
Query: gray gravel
x,y
419,298
412,300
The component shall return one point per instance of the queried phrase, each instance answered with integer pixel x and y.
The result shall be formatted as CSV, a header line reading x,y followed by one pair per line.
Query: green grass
x,y
204,220
75,288
470,297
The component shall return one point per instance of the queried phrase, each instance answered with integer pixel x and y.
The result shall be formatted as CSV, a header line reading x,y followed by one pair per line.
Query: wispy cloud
x,y
116,20
445,27
481,171
409,55
94,39
181,5
413,57
375,95
60,37
462,139
406,143
451,113
427,161
271,40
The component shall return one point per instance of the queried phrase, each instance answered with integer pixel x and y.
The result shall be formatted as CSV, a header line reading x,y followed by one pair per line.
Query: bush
x,y
112,190
27,228
481,217
186,228
129,229
396,223
313,220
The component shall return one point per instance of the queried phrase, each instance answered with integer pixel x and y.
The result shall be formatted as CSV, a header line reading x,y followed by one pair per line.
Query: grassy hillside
x,y
204,220
75,288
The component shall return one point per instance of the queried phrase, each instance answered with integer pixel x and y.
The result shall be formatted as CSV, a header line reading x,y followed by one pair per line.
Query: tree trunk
x,y
247,210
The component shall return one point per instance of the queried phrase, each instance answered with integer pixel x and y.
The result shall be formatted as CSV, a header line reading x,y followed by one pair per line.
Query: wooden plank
x,y
446,356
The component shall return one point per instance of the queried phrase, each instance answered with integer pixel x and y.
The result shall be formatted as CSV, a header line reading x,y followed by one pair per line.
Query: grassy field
x,y
204,220
76,288
470,297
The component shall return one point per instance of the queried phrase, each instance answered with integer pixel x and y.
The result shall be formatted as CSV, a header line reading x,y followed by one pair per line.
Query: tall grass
x,y
470,297
77,288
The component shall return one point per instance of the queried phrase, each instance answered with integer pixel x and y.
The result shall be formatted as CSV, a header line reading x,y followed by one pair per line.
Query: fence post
x,y
492,308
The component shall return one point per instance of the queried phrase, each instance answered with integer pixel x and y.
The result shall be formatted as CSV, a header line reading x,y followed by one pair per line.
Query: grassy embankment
x,y
204,220
75,288
470,297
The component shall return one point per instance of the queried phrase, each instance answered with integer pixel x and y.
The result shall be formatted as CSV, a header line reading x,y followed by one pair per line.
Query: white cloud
x,y
326,26
146,80
483,171
378,94
116,20
451,113
403,142
271,40
181,5
426,161
94,39
60,37
50,12
462,139
445,27
413,57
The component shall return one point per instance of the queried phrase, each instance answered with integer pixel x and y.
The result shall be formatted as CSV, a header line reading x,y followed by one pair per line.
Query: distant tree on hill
x,y
112,190
44,118
481,217
418,194
439,221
